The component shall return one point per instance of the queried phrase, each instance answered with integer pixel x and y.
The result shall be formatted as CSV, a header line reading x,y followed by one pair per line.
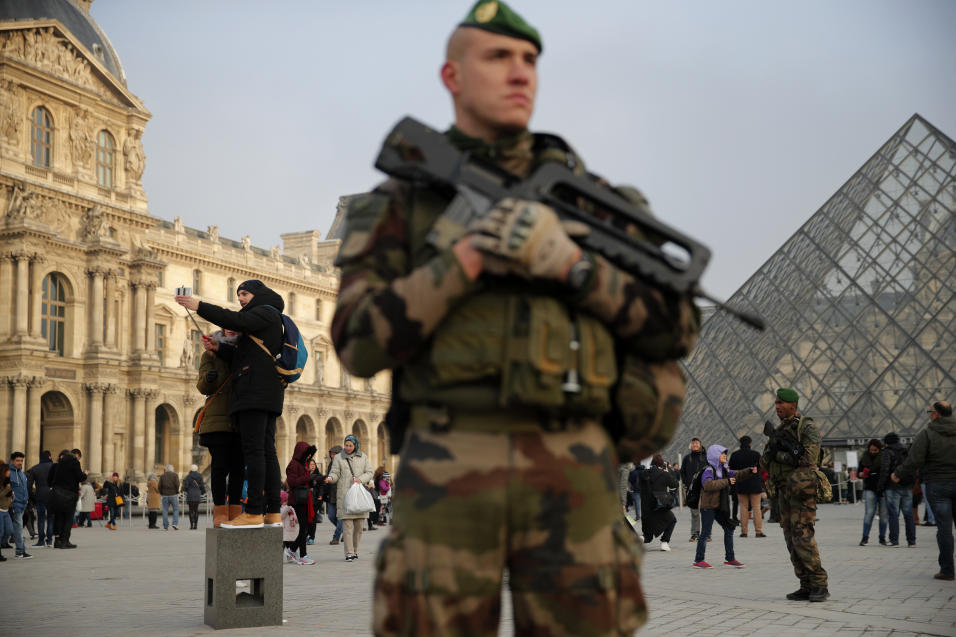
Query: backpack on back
x,y
693,494
292,356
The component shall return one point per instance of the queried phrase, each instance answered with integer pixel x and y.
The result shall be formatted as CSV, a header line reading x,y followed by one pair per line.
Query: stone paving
x,y
140,582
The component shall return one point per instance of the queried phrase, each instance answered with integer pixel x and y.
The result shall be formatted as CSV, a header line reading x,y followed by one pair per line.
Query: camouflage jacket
x,y
800,429
397,292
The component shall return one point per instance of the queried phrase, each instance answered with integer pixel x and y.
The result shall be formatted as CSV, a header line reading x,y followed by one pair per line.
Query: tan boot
x,y
244,521
220,514
235,510
272,519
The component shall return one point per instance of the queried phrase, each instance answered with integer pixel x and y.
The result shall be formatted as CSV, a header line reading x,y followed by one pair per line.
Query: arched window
x,y
290,306
318,309
41,137
231,289
53,312
197,280
104,159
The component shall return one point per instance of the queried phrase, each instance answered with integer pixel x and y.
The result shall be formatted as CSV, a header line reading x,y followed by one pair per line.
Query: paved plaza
x,y
140,582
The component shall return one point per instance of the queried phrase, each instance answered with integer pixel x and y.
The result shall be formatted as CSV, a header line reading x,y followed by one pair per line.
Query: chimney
x,y
299,244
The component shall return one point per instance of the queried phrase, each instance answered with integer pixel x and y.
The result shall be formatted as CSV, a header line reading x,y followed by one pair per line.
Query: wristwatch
x,y
580,272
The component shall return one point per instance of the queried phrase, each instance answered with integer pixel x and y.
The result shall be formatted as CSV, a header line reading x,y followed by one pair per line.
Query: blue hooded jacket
x,y
18,482
713,459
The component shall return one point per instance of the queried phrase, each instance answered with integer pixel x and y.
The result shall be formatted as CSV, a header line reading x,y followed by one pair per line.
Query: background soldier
x,y
502,466
790,458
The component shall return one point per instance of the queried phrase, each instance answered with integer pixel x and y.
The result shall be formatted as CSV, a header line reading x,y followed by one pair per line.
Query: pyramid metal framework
x,y
860,307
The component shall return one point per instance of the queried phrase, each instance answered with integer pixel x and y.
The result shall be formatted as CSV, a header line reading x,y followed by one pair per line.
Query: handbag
x,y
119,500
357,499
202,412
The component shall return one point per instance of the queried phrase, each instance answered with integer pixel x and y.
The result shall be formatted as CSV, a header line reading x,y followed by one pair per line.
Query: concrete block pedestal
x,y
243,578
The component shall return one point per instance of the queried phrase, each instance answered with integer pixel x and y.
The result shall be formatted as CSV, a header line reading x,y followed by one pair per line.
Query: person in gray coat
x,y
194,487
351,466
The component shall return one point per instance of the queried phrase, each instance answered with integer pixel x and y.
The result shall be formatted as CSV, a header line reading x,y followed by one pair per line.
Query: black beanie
x,y
891,438
252,286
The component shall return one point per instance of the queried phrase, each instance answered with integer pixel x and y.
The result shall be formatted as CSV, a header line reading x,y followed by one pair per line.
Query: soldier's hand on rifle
x,y
530,234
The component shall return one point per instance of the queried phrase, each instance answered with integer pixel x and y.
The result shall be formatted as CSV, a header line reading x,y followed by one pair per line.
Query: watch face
x,y
579,273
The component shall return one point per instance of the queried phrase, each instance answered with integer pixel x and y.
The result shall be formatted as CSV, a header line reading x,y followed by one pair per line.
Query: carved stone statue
x,y
247,243
346,380
178,226
95,225
55,55
319,369
11,111
81,139
275,252
24,204
213,232
186,358
135,157
368,385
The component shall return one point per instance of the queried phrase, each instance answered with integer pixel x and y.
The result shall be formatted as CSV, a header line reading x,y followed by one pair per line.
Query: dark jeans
x,y
45,522
942,497
63,522
193,514
332,511
707,519
900,501
152,519
226,467
114,513
301,541
257,429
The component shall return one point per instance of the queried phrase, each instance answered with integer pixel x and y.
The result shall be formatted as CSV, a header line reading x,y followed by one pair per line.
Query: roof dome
x,y
77,21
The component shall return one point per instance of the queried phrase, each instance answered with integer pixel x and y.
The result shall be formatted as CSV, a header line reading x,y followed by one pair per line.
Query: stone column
x,y
21,295
110,318
94,441
139,318
136,445
36,297
186,432
35,393
150,319
6,292
149,413
109,456
18,426
96,308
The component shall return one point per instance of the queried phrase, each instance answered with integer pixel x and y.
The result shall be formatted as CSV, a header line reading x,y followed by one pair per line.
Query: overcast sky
x,y
738,119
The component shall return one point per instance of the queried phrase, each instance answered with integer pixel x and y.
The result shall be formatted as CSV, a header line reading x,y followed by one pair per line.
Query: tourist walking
x,y
871,462
350,466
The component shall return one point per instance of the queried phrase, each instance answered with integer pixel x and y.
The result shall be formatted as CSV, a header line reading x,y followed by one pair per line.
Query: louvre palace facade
x,y
860,307
94,352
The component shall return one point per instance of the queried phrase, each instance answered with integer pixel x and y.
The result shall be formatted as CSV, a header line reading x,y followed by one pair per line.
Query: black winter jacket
x,y
255,381
38,481
741,459
874,463
893,456
693,462
67,474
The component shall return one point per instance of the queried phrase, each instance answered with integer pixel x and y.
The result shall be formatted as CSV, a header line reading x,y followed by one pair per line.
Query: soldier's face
x,y
493,83
784,409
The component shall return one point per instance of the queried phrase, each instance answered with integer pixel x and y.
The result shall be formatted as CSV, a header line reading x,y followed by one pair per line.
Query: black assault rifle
x,y
666,257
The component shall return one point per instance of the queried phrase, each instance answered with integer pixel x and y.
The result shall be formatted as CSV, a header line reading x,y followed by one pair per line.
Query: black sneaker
x,y
693,538
819,595
882,541
894,545
801,594
349,557
2,559
23,556
864,541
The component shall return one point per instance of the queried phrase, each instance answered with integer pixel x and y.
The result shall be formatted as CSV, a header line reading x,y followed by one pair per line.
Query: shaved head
x,y
458,43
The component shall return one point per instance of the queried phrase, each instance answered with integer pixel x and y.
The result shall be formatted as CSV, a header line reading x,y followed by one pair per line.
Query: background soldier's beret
x,y
497,17
787,395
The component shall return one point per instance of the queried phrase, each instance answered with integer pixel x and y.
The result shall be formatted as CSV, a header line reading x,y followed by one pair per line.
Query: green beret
x,y
497,17
788,395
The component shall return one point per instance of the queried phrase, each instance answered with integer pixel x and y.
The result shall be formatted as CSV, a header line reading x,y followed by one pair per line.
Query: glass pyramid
x,y
860,307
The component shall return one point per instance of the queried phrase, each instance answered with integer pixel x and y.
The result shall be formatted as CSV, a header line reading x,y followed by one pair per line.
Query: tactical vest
x,y
779,471
510,343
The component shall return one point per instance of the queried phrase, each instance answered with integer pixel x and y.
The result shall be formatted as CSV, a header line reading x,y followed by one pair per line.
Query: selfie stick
x,y
193,320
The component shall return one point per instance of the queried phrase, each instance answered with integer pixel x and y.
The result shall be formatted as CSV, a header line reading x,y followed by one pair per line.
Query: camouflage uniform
x,y
795,488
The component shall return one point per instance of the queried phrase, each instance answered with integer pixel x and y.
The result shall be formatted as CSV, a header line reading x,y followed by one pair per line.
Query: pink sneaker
x,y
734,563
701,564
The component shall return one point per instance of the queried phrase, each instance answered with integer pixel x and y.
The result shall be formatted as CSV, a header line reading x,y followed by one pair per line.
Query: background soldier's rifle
x,y
793,450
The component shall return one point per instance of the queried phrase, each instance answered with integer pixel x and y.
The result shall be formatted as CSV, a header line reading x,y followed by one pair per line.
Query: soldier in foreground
x,y
505,463
791,457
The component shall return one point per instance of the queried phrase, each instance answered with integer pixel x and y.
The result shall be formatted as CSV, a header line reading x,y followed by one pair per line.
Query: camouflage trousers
x,y
541,505
798,510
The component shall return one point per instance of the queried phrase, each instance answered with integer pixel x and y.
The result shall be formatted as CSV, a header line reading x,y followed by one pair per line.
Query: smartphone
x,y
184,291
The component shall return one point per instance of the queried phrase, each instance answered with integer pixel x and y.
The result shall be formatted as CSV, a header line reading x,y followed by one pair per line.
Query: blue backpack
x,y
292,356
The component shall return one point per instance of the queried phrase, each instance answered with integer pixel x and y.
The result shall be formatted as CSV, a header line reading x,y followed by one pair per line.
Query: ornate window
x,y
230,289
290,308
195,337
104,159
53,312
197,280
318,309
41,137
